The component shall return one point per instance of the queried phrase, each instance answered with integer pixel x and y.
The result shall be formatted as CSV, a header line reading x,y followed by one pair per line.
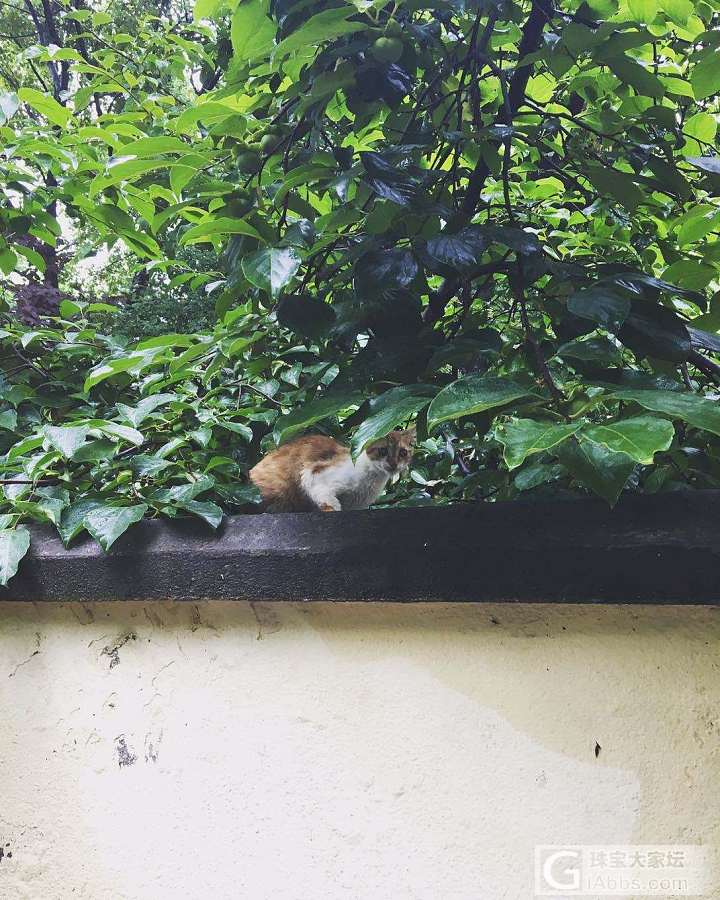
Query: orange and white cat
x,y
316,472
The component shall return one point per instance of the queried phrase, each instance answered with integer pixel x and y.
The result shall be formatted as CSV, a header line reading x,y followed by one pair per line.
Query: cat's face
x,y
394,452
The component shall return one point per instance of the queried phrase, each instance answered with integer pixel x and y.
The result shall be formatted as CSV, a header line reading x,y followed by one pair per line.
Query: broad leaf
x,y
14,544
388,410
601,304
597,467
523,437
272,269
66,438
474,394
639,438
106,523
308,414
690,408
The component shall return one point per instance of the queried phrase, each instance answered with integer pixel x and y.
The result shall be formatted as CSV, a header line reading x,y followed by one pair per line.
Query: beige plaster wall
x,y
165,751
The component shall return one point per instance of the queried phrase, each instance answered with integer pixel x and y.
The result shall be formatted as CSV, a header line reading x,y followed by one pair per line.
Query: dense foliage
x,y
500,219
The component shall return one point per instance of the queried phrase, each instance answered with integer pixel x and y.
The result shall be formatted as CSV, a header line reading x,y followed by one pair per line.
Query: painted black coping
x,y
653,549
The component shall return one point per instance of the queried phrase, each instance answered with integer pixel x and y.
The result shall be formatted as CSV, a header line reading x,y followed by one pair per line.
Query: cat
x,y
315,472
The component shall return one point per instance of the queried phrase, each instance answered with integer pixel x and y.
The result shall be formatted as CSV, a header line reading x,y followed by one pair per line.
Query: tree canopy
x,y
499,219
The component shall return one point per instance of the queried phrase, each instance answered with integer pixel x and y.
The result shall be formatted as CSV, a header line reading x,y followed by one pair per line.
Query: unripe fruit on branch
x,y
387,49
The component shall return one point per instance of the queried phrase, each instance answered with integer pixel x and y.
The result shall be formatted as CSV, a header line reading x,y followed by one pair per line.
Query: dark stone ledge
x,y
653,549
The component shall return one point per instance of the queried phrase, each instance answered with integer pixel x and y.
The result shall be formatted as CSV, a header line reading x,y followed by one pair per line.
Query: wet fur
x,y
316,472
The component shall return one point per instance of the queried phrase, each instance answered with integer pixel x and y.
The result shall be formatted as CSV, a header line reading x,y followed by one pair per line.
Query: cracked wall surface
x,y
160,751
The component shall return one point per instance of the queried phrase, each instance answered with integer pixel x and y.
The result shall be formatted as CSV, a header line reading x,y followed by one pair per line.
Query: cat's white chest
x,y
353,485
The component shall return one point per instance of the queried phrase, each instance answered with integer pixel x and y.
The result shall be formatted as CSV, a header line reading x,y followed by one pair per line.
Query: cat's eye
x,y
402,452
382,451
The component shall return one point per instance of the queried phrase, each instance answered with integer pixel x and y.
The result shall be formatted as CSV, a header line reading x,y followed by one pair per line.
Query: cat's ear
x,y
411,432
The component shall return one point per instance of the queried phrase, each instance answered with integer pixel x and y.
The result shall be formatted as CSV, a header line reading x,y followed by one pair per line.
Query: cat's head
x,y
393,452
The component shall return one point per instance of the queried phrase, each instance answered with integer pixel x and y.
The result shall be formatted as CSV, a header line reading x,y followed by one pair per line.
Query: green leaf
x,y
14,544
252,33
678,10
637,76
305,315
67,439
640,438
522,437
46,106
474,394
206,509
601,304
106,523
132,362
9,104
388,410
308,414
212,227
599,469
695,411
152,146
136,415
115,429
644,11
617,184
72,519
8,420
206,9
702,126
325,26
271,269
245,431
705,76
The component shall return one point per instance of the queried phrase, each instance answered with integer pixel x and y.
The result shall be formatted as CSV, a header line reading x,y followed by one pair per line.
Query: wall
x,y
235,750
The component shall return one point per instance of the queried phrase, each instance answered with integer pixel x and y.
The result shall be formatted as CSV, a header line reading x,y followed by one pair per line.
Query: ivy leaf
x,y
597,467
205,509
474,394
695,411
640,437
14,544
106,523
389,410
72,518
308,414
136,415
271,269
67,439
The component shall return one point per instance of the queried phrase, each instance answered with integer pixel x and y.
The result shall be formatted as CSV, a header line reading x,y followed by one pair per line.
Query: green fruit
x,y
269,143
393,28
248,162
387,49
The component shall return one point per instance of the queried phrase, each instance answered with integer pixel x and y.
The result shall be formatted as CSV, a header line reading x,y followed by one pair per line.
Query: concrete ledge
x,y
652,549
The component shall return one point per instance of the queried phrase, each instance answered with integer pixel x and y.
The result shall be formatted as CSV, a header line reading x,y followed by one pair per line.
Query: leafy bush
x,y
500,219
